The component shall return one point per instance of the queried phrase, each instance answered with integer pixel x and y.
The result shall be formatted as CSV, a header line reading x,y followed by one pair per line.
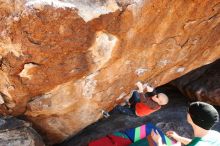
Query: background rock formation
x,y
202,84
14,132
62,62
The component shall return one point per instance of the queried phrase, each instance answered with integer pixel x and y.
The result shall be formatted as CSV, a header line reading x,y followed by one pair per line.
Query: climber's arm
x,y
141,91
148,88
140,87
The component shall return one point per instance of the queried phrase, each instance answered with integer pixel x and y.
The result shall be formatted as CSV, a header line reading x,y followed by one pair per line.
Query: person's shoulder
x,y
212,134
215,133
213,138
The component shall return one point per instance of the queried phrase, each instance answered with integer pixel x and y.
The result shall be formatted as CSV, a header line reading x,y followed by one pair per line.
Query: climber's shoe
x,y
105,114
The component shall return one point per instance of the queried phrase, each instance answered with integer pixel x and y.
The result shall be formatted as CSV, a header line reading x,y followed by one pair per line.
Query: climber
x,y
202,117
142,104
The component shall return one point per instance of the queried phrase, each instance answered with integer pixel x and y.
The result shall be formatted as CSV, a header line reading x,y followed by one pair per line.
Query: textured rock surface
x,y
62,62
202,84
14,132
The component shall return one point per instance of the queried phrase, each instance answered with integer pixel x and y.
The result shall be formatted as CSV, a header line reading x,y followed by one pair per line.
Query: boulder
x,y
15,132
202,84
63,62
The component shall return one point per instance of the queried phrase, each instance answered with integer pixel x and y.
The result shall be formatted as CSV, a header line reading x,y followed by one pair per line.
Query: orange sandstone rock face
x,y
62,62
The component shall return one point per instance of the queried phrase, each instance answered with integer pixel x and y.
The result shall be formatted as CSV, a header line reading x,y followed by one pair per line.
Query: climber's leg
x,y
135,98
125,110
